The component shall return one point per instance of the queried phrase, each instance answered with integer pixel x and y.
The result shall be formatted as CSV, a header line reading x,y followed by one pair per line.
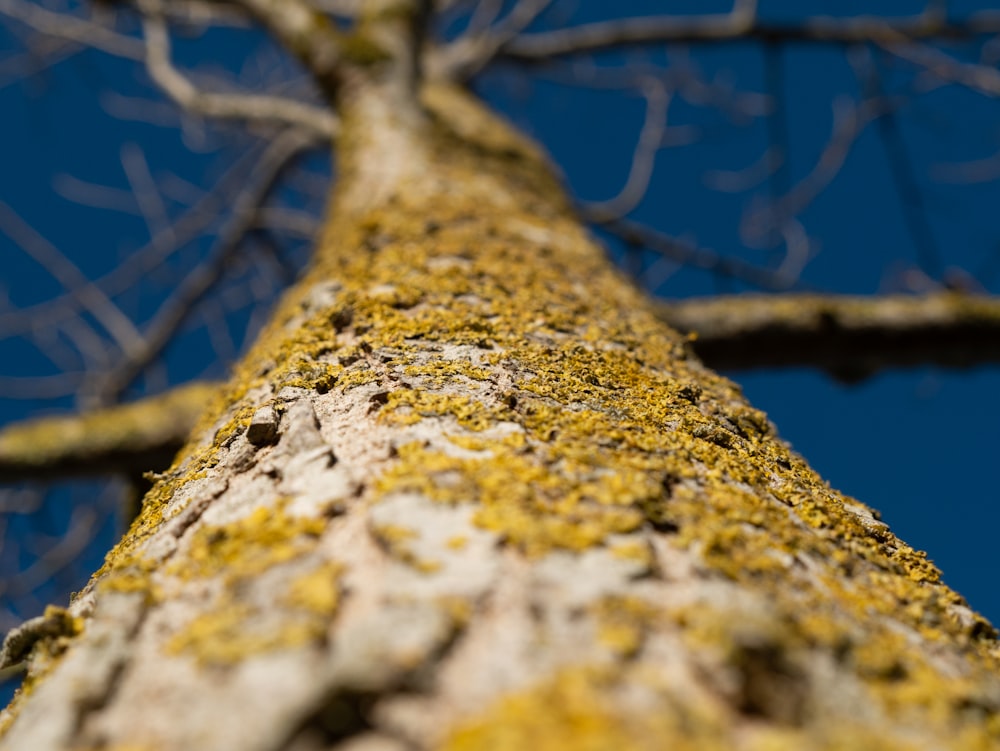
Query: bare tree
x,y
467,489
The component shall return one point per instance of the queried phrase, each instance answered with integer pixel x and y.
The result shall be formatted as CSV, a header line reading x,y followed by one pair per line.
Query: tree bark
x,y
466,492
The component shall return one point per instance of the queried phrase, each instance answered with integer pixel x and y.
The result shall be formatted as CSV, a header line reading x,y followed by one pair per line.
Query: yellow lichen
x,y
231,632
577,711
634,550
244,548
233,628
265,540
622,622
317,591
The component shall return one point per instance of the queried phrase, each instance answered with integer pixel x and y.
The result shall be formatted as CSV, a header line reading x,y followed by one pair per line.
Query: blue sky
x,y
919,446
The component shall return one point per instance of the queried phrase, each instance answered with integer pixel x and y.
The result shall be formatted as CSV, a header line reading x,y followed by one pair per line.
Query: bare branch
x,y
90,296
982,170
975,76
740,180
41,387
197,219
305,32
650,141
175,311
680,76
207,13
682,252
915,213
483,40
126,439
42,53
739,25
850,338
249,107
290,221
147,195
66,551
74,28
95,196
849,120
342,8
483,16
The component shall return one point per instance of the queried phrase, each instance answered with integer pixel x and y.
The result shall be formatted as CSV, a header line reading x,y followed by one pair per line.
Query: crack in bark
x,y
93,703
194,510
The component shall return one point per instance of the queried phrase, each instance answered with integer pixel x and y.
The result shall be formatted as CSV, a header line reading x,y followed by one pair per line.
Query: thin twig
x,y
649,142
738,26
975,76
688,254
175,311
74,28
91,297
194,221
483,39
250,107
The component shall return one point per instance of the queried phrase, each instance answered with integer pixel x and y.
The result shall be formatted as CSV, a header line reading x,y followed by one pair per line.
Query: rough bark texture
x,y
849,337
489,502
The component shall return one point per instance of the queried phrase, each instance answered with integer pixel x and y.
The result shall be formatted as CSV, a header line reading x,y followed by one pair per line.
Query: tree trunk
x,y
467,493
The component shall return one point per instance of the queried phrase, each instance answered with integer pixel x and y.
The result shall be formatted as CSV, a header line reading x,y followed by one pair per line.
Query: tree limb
x,y
125,439
483,39
849,337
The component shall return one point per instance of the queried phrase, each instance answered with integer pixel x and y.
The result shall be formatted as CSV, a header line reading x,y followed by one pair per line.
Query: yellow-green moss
x,y
528,504
131,574
407,407
577,711
582,709
231,632
249,546
635,550
622,622
232,627
317,591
